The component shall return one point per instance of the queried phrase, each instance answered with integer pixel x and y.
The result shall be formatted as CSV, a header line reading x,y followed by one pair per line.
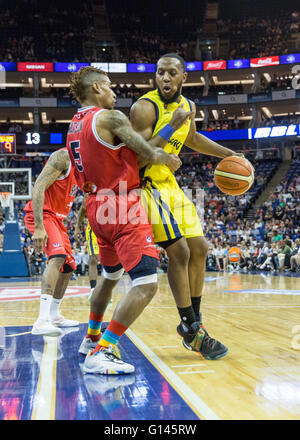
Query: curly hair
x,y
81,80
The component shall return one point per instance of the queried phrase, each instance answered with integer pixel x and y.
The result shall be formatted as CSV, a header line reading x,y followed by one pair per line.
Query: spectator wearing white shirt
x,y
85,261
78,261
219,253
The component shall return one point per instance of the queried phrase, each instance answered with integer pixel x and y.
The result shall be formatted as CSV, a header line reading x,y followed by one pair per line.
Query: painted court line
x,y
191,365
44,401
187,394
199,371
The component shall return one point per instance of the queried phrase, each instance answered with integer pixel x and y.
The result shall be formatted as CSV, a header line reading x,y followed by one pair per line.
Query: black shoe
x,y
180,328
196,338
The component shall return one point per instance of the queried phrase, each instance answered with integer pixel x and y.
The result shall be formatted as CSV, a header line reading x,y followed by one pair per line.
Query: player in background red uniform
x,y
102,147
52,198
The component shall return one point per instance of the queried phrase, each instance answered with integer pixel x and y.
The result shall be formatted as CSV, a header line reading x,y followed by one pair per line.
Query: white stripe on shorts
x,y
148,279
113,275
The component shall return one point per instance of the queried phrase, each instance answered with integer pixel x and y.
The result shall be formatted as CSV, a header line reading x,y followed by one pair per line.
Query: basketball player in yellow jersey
x,y
165,118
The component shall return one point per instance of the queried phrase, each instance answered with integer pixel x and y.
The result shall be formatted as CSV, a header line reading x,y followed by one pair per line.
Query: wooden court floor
x,y
257,316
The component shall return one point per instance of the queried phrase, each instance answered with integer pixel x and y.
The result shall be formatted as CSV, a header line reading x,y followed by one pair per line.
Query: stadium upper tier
x,y
123,31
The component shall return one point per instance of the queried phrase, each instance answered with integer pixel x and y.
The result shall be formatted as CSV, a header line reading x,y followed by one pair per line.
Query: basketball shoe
x,y
45,328
88,345
196,338
61,321
105,361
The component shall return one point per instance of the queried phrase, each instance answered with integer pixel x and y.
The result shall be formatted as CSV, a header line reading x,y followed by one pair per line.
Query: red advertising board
x,y
214,65
35,67
265,61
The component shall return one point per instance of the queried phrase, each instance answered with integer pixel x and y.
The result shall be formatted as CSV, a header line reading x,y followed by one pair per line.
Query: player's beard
x,y
173,98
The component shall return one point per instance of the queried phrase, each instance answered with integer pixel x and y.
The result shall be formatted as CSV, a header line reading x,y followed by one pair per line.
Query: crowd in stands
x,y
34,31
259,36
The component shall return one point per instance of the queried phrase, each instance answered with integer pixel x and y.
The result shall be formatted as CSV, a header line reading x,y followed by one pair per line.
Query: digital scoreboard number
x,y
33,138
7,143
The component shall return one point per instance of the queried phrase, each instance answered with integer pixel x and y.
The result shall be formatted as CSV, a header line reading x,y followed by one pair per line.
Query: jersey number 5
x,y
75,146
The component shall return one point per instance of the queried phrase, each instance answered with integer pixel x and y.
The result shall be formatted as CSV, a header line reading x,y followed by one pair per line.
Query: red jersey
x,y
59,196
97,164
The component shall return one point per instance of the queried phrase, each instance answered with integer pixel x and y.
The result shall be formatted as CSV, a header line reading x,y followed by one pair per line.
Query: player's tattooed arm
x,y
119,125
56,166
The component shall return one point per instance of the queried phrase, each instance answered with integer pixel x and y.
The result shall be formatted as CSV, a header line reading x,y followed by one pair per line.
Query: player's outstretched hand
x,y
174,162
179,117
40,238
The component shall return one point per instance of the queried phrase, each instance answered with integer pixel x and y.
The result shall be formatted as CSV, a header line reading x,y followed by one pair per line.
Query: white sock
x,y
45,302
54,308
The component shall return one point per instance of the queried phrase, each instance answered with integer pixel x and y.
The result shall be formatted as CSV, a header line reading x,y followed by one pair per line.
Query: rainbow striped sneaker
x,y
196,338
105,361
88,345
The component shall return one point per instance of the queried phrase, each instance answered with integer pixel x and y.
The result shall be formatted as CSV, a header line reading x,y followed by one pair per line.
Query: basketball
x,y
234,175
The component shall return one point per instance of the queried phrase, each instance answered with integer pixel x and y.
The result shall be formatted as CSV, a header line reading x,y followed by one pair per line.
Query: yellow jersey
x,y
164,114
169,210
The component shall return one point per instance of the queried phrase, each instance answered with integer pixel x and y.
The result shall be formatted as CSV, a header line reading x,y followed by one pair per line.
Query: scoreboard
x,y
7,143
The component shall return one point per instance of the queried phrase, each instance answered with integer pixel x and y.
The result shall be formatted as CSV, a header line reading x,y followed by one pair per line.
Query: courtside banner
x,y
214,65
69,67
117,67
238,64
38,102
35,67
233,99
194,66
226,135
142,68
101,66
283,94
265,61
8,66
290,59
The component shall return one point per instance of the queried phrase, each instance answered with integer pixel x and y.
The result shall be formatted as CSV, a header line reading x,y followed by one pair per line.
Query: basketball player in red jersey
x,y
52,198
102,147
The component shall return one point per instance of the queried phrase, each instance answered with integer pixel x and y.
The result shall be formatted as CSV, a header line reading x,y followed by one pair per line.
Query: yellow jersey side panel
x,y
91,241
170,212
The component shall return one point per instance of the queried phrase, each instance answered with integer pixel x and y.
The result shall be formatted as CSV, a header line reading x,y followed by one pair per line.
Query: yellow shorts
x,y
170,211
91,241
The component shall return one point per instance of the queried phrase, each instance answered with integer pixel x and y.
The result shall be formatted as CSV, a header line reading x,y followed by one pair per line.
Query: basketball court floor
x,y
256,316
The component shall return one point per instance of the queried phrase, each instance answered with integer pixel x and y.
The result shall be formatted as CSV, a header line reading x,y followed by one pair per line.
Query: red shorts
x,y
122,228
58,243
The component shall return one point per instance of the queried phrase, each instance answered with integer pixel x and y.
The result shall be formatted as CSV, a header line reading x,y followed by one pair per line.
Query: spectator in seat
x,y
78,261
211,261
284,250
292,260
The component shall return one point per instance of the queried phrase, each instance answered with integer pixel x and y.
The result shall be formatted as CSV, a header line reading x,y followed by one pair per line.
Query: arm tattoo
x,y
120,126
57,164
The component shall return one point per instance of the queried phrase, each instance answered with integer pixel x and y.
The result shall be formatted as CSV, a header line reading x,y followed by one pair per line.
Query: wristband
x,y
166,132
